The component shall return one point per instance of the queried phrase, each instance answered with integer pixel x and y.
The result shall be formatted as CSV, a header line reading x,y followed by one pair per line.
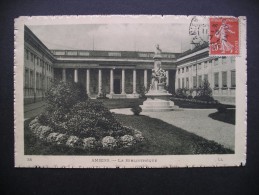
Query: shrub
x,y
102,95
127,141
222,108
142,91
204,92
136,110
109,142
64,95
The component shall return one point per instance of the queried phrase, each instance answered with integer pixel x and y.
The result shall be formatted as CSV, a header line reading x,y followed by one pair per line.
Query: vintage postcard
x,y
130,91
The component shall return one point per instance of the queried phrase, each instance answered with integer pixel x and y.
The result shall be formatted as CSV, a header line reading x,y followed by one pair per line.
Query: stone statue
x,y
158,50
158,76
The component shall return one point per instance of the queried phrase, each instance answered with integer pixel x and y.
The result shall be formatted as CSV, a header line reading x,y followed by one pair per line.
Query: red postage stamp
x,y
224,36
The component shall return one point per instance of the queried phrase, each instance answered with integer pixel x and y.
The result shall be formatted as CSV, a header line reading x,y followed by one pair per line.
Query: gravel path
x,y
195,121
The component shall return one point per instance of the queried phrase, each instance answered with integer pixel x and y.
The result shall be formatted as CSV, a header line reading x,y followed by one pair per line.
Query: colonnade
x,y
111,80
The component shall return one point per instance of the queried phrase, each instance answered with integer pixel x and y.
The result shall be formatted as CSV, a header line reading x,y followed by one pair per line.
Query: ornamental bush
x,y
63,95
136,110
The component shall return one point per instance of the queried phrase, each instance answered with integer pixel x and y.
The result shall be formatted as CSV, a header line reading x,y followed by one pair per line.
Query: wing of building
x,y
122,74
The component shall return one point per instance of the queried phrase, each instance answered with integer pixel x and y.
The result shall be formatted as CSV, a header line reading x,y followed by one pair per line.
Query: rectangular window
x,y
31,57
37,81
114,54
205,64
183,83
233,59
32,79
194,67
224,60
194,82
182,70
199,66
27,54
179,71
26,78
224,79
200,80
187,69
233,78
216,80
206,77
187,83
179,83
72,53
216,61
83,53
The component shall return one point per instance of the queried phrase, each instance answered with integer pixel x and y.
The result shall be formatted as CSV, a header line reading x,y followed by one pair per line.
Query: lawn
x,y
161,138
229,116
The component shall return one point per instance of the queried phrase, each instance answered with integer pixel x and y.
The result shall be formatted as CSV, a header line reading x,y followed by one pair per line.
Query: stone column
x,y
167,78
75,75
123,81
145,79
64,78
99,81
35,83
111,82
134,81
88,81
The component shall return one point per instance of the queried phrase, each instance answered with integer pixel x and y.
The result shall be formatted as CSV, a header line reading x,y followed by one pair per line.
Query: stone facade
x,y
122,74
197,65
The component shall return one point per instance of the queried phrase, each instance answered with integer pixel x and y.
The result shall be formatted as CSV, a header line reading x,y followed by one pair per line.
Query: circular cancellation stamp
x,y
224,36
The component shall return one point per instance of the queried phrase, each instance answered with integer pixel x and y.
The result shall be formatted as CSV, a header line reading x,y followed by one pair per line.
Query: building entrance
x,y
117,83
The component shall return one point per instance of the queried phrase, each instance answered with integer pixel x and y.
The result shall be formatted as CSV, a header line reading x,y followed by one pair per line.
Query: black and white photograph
x,y
130,91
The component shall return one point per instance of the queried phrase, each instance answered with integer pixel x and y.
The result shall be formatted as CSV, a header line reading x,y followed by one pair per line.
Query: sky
x,y
115,37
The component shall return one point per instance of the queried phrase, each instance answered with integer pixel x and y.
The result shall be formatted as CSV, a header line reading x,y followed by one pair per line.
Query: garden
x,y
73,124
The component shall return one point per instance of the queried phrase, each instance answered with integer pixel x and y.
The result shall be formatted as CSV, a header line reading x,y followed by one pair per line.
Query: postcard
x,y
130,91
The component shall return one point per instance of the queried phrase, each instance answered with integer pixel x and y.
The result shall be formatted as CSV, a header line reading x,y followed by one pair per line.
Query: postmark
x,y
130,91
224,36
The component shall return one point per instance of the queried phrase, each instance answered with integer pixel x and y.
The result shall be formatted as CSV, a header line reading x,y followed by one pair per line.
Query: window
x,y
206,77
32,79
179,83
199,66
27,54
224,79
182,70
31,57
71,53
205,64
200,80
233,59
37,80
194,82
26,78
187,69
179,71
194,67
187,83
182,82
233,78
224,60
216,61
216,80
114,54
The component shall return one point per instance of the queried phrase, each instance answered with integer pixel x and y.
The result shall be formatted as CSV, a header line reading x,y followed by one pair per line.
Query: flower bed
x,y
80,123
109,142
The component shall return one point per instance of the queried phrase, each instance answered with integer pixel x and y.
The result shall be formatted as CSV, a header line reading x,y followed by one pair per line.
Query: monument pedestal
x,y
158,101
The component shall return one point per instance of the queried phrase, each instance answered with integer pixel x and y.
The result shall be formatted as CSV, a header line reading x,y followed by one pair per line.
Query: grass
x,y
160,139
229,116
196,105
